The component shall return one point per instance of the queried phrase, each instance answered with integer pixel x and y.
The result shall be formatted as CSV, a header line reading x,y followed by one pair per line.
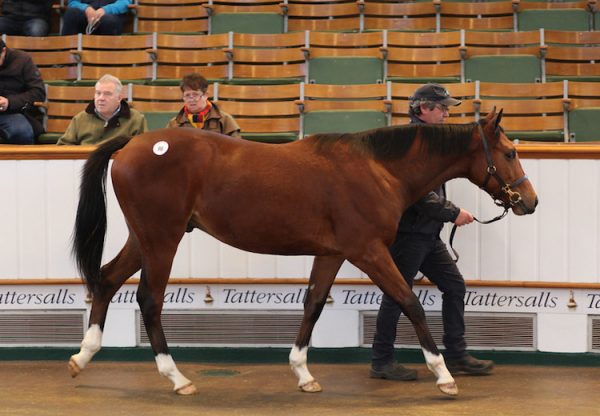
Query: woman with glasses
x,y
199,112
418,247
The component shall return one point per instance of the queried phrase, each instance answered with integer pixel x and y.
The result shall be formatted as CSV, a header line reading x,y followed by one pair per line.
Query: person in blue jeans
x,y
97,17
418,247
26,17
20,86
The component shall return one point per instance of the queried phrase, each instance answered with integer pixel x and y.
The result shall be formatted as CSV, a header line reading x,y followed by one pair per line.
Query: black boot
x,y
393,371
469,365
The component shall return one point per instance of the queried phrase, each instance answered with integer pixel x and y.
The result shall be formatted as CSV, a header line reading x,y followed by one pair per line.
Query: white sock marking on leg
x,y
438,367
298,364
92,341
167,368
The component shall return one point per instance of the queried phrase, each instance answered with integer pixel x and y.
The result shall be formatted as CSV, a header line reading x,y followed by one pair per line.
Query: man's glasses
x,y
192,96
442,107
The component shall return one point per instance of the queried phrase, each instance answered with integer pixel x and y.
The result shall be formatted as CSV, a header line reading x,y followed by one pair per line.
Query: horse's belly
x,y
269,234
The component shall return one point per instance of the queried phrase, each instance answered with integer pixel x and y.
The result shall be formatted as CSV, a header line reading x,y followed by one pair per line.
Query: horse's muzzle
x,y
522,208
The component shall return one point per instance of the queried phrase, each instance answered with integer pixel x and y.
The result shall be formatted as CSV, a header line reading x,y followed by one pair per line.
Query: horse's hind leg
x,y
158,259
379,266
322,276
113,275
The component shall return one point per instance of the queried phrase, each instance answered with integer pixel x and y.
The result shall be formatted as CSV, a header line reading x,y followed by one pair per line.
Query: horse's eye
x,y
511,155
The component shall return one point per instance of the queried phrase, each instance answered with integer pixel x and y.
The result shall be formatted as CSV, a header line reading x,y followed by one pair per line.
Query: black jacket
x,y
428,215
22,84
27,9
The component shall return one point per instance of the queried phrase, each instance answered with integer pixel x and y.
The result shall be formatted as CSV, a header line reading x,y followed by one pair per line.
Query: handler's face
x,y
437,115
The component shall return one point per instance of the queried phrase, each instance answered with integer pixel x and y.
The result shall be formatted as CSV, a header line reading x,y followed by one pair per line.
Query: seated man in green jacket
x,y
106,118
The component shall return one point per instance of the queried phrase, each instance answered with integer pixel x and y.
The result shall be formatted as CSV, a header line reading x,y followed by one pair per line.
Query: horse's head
x,y
497,168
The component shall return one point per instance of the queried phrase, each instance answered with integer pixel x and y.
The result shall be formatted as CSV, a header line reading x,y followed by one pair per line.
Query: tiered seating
x,y
155,98
322,15
436,58
367,57
264,112
584,114
487,15
572,55
62,103
246,16
268,58
532,111
171,16
398,16
345,58
51,54
125,57
502,56
177,55
344,108
569,15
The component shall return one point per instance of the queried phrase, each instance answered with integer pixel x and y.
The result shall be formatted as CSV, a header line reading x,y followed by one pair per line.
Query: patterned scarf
x,y
197,120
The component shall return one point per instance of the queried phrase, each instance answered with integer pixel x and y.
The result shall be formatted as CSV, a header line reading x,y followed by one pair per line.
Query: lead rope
x,y
454,227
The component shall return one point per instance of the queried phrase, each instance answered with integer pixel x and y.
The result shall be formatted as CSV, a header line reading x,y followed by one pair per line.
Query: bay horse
x,y
334,196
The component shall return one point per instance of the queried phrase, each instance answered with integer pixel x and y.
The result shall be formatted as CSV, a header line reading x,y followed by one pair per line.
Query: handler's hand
x,y
464,218
3,104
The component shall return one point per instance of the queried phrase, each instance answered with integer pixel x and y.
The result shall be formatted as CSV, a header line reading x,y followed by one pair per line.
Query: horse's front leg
x,y
113,275
377,263
150,297
322,276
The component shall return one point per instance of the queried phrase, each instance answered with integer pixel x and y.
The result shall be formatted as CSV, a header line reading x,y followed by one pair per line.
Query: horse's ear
x,y
498,118
490,116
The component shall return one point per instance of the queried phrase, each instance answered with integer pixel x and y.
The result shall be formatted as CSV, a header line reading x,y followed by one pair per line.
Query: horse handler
x,y
418,247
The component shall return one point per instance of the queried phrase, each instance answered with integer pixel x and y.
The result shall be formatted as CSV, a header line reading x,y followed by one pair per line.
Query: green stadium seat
x,y
563,19
158,119
509,68
342,121
584,124
345,70
247,23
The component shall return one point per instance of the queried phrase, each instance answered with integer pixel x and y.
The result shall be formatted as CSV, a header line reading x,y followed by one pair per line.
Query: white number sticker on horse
x,y
160,148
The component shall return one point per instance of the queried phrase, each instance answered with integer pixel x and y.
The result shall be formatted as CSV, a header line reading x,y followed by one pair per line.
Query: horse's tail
x,y
90,223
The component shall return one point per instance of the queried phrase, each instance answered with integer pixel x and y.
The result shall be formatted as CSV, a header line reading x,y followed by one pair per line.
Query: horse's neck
x,y
428,173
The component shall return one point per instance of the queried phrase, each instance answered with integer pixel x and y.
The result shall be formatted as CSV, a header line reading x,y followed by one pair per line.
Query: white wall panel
x,y
582,236
293,266
31,218
205,254
9,243
552,213
523,236
467,196
62,201
560,242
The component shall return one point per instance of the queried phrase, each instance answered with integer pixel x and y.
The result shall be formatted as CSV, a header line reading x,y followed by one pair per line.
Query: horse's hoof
x,y
450,389
311,387
74,369
187,390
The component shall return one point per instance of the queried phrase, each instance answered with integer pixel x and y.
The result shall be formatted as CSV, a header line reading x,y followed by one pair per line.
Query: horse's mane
x,y
393,142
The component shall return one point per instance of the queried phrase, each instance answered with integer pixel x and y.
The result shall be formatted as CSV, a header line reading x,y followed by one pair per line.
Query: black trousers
x,y
74,21
413,252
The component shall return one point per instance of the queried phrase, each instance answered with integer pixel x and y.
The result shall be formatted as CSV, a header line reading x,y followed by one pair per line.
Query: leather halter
x,y
514,198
